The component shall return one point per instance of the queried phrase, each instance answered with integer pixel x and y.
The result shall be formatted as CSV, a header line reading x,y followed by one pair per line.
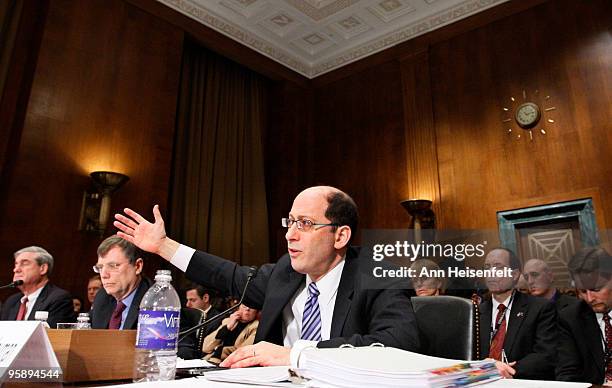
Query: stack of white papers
x,y
390,368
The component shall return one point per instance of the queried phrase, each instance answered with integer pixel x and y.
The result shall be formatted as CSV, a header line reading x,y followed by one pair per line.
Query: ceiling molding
x,y
313,37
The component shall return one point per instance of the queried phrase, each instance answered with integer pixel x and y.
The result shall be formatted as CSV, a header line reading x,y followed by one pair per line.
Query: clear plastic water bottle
x,y
42,316
83,321
157,335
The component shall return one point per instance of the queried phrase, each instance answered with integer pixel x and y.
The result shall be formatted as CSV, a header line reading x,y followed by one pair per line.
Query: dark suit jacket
x,y
362,314
104,305
214,325
580,351
55,300
531,336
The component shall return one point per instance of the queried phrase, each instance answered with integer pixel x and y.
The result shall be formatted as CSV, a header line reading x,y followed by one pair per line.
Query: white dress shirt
x,y
602,327
508,303
31,301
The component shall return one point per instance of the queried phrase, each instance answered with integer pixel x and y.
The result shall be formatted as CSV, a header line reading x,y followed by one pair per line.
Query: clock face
x,y
527,115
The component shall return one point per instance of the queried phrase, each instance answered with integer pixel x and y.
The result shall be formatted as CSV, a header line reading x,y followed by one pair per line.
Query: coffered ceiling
x,y
313,37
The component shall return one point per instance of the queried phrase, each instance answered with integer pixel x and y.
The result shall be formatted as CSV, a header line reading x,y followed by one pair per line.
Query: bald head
x,y
539,278
338,206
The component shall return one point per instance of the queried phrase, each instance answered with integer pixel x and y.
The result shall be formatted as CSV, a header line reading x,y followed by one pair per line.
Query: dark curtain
x,y
218,198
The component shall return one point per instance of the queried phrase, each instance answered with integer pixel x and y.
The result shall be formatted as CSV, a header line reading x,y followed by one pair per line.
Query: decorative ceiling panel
x,y
313,37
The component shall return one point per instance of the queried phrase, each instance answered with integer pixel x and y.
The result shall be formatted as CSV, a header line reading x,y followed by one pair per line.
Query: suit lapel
x,y
485,327
517,316
132,317
593,337
40,302
276,302
346,288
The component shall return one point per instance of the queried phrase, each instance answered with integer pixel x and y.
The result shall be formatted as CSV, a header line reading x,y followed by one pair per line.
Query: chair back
x,y
191,346
446,326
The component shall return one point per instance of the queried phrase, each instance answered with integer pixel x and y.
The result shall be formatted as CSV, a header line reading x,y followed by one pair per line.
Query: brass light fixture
x,y
95,210
422,215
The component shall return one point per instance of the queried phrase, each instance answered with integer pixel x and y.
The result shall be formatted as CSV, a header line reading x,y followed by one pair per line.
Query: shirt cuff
x,y
296,350
182,257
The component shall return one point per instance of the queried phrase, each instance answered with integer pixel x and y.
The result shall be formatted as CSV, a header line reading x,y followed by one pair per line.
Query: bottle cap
x,y
163,275
41,315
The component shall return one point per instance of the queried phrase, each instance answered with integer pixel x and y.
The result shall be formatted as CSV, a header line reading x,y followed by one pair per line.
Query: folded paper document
x,y
269,376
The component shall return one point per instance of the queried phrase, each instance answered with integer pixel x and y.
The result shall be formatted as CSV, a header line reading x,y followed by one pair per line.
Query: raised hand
x,y
136,229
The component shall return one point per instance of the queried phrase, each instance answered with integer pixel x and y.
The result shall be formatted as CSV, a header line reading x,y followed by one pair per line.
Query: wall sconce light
x,y
422,218
95,210
422,215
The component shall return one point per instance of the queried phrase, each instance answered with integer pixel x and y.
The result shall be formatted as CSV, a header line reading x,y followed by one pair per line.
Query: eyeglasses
x,y
110,267
303,224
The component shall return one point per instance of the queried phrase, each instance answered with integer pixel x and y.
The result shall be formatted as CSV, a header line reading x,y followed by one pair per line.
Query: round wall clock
x,y
527,114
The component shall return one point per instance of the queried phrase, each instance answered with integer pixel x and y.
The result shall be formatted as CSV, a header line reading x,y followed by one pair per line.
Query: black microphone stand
x,y
14,284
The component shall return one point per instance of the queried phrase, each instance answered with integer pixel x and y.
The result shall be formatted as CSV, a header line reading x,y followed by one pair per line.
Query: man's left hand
x,y
262,354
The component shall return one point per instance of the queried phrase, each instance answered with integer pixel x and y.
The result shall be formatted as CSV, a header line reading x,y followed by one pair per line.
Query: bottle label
x,y
157,330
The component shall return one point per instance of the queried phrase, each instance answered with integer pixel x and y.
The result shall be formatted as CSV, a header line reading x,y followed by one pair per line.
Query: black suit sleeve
x,y
569,365
229,278
541,360
391,322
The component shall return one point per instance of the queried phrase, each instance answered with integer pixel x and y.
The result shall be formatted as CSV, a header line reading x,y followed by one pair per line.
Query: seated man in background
x,y
77,303
235,331
199,298
540,277
33,265
93,285
116,305
518,330
426,285
585,338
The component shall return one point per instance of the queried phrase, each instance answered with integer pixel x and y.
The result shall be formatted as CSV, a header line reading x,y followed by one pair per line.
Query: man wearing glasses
x,y
313,296
123,286
585,343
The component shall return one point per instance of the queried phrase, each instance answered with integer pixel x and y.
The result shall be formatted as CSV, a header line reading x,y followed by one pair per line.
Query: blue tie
x,y
311,321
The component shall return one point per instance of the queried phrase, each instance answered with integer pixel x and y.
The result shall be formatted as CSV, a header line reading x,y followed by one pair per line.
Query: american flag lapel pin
x,y
520,314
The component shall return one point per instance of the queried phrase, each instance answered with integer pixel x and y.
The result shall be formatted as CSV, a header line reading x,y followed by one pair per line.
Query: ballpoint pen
x,y
504,358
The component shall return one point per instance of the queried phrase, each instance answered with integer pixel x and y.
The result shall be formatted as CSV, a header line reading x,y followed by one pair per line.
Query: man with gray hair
x,y
33,265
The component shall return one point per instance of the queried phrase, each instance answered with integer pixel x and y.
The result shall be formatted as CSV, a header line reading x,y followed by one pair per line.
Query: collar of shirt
x,y
328,284
127,301
206,311
508,303
32,300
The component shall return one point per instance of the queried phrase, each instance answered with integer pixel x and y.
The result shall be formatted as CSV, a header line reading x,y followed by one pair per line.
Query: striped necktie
x,y
311,321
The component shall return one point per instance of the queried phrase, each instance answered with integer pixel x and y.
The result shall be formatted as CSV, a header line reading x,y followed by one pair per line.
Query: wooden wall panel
x,y
426,116
483,169
421,152
358,143
103,98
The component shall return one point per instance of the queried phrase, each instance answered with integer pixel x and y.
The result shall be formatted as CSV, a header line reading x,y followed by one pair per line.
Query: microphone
x,y
252,273
14,284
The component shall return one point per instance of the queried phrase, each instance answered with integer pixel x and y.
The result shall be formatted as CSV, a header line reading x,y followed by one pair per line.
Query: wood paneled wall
x,y
425,119
103,98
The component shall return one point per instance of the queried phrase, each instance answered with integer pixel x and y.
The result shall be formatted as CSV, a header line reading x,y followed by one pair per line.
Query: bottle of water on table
x,y
157,335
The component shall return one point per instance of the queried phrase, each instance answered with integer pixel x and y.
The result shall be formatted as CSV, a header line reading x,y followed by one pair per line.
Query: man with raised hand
x,y
313,296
